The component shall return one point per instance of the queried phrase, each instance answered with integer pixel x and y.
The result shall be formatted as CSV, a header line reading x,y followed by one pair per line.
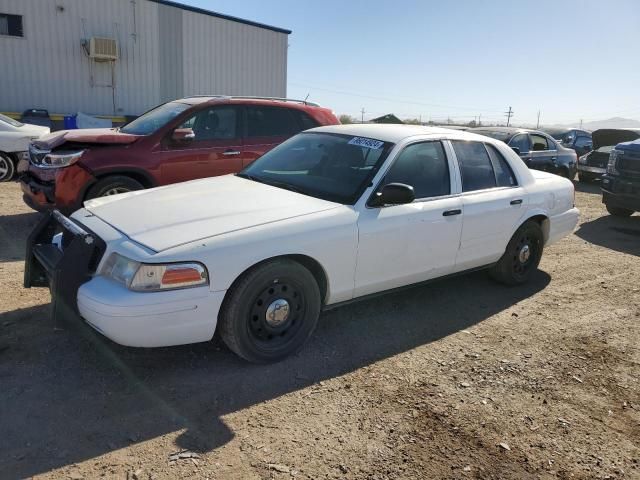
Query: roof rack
x,y
248,97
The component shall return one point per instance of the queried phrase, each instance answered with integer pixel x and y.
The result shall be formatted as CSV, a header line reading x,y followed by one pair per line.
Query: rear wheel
x,y
522,256
7,167
271,311
113,185
586,177
619,212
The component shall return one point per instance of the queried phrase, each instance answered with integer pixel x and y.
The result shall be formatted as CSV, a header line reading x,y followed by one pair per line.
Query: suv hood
x,y
106,136
607,137
166,217
629,146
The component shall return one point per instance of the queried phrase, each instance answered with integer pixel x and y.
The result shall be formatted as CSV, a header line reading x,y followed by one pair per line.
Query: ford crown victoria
x,y
331,215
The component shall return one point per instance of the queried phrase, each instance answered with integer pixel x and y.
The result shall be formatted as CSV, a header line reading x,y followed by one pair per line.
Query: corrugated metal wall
x,y
49,68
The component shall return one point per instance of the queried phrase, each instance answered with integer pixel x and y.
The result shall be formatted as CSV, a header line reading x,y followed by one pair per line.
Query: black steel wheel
x,y
522,256
271,311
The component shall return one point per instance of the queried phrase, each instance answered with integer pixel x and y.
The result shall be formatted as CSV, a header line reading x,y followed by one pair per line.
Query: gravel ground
x,y
463,378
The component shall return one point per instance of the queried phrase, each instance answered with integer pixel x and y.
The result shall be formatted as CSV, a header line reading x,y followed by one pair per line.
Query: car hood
x,y
606,137
630,146
166,217
106,136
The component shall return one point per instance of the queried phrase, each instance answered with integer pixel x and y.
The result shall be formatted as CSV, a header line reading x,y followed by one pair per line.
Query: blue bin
x,y
70,122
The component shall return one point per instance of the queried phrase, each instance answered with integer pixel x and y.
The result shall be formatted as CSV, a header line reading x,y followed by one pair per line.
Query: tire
x,y
619,212
585,178
7,167
249,322
522,256
113,185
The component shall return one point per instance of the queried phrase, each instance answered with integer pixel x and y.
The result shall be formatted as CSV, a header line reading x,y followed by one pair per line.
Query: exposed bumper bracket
x,y
62,267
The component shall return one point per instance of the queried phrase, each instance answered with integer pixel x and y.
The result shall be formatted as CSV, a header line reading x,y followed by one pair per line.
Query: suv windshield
x,y
329,166
10,121
155,119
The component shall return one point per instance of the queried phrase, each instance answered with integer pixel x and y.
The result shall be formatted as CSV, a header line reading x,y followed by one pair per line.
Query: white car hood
x,y
33,130
165,217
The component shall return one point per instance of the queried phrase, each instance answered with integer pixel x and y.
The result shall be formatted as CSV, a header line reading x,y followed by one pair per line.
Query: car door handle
x,y
450,213
517,201
229,153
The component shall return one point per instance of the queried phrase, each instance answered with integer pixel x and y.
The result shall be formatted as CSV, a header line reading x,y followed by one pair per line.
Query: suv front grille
x,y
629,164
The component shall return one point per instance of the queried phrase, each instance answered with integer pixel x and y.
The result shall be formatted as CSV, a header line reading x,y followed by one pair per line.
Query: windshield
x,y
498,135
10,121
333,167
154,119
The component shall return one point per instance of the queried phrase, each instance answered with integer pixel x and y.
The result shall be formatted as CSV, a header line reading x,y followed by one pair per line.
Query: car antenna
x,y
305,98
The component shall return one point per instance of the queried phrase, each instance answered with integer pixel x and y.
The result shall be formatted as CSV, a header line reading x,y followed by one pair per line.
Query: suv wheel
x,y
7,167
271,311
522,256
619,212
113,185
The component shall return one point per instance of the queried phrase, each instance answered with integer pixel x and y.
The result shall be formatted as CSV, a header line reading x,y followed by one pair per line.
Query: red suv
x,y
180,140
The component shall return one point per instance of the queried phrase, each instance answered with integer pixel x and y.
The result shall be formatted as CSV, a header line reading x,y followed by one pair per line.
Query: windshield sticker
x,y
366,142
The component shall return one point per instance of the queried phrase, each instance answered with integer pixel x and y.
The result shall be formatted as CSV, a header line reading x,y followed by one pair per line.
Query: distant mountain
x,y
615,122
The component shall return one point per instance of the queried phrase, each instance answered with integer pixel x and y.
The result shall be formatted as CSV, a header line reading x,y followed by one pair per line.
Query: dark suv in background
x,y
621,183
537,149
594,164
576,139
181,140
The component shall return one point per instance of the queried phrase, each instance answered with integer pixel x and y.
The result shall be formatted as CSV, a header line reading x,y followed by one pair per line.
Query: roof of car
x,y
386,132
200,99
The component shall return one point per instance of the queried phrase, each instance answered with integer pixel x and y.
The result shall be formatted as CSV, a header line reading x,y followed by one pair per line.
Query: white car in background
x,y
333,214
14,144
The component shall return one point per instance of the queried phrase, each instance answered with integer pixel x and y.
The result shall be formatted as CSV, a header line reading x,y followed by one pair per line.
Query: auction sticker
x,y
366,143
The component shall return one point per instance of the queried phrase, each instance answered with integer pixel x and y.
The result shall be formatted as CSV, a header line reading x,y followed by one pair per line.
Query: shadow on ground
x,y
70,396
14,230
616,233
590,187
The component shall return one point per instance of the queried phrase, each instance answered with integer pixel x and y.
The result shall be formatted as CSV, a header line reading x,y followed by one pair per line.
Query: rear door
x,y
492,202
543,153
216,148
266,127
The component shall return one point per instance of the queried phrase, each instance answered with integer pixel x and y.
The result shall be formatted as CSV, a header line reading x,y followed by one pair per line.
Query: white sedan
x,y
329,216
14,144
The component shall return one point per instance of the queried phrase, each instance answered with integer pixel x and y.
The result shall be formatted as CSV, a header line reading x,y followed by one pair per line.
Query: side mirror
x,y
516,149
394,194
182,135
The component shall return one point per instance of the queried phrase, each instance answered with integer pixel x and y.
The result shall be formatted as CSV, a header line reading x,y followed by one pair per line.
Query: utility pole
x,y
480,120
538,122
580,123
509,114
362,112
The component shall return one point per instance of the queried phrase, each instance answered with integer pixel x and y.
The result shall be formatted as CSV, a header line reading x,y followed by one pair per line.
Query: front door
x,y
216,149
404,244
543,153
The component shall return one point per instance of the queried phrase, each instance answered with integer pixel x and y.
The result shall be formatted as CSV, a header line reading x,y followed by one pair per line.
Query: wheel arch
x,y
542,220
310,263
138,175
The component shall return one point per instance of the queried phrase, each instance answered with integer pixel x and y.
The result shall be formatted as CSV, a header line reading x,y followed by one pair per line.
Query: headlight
x,y
146,277
60,159
613,158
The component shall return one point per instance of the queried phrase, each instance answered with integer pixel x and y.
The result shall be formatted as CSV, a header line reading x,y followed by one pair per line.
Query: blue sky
x,y
570,59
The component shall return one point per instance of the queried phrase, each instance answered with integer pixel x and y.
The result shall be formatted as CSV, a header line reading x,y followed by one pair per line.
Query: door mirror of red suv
x,y
182,135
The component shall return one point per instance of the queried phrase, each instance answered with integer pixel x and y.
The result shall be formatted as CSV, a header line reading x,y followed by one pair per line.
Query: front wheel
x,y
271,311
7,167
619,212
113,185
522,256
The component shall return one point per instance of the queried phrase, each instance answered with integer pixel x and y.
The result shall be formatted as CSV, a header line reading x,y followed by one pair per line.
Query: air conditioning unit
x,y
103,49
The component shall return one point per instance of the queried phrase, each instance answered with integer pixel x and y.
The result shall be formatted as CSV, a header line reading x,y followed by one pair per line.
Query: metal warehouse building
x,y
122,57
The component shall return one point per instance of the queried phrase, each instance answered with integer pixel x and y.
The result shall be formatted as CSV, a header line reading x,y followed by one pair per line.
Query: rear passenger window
x,y
423,166
270,122
475,165
305,121
504,174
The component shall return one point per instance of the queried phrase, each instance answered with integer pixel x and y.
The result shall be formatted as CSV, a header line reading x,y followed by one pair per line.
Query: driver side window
x,y
219,123
424,166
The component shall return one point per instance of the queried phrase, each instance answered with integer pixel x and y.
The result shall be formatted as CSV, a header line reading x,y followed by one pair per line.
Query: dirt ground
x,y
459,379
